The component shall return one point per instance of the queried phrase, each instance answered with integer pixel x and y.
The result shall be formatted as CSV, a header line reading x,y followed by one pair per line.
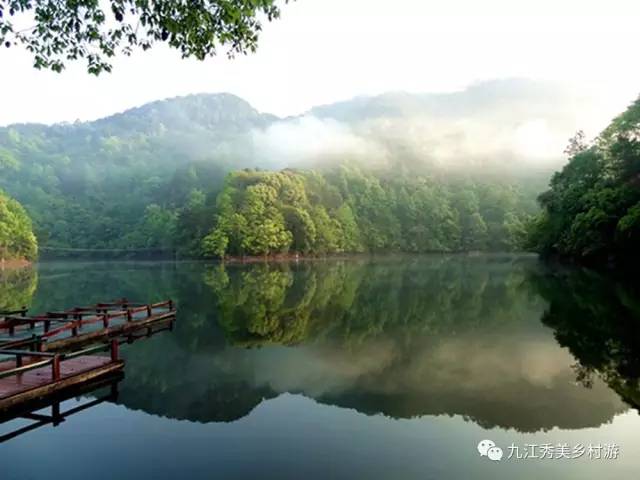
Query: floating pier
x,y
44,355
80,326
34,375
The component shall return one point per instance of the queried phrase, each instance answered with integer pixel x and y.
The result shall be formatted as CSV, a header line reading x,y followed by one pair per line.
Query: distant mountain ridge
x,y
92,180
481,121
206,110
212,109
474,100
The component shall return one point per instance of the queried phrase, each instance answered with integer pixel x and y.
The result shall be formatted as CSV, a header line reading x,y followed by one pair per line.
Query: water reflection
x,y
55,409
500,341
17,287
596,318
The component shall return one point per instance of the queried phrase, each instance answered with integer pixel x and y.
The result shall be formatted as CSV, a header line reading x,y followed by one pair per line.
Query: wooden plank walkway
x,y
79,326
43,375
35,375
43,356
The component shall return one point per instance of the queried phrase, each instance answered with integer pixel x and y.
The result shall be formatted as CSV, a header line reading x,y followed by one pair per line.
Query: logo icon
x,y
487,448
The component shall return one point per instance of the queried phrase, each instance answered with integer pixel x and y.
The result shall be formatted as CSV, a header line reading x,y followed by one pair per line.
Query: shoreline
x,y
287,257
281,257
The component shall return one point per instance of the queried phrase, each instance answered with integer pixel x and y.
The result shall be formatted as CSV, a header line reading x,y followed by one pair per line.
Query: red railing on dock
x,y
34,375
52,359
73,320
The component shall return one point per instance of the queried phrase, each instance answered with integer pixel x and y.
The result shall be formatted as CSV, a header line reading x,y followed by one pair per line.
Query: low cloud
x,y
496,125
308,139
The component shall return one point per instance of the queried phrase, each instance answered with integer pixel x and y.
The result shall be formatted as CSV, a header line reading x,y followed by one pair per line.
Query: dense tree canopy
x,y
145,182
16,235
592,211
59,32
101,185
346,209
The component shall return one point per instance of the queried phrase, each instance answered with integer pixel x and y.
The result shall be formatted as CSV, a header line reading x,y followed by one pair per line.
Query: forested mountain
x,y
347,210
147,179
17,240
99,184
591,213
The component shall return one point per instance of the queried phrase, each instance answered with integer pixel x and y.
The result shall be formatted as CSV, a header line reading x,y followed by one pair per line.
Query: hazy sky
x,y
321,51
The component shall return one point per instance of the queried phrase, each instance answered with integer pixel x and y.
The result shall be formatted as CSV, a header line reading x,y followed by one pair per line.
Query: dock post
x,y
55,368
148,310
129,317
105,320
114,350
170,304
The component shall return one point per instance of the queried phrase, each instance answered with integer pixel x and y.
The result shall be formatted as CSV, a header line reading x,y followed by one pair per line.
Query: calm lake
x,y
389,368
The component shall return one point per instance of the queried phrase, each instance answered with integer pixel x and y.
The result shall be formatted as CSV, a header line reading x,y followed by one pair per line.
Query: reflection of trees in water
x,y
344,316
64,284
357,300
598,319
17,287
256,307
405,337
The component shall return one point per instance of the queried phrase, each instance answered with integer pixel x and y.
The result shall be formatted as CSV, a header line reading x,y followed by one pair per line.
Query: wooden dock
x,y
34,375
44,355
80,326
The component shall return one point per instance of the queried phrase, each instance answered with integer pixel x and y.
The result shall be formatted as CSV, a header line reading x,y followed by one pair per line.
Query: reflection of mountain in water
x,y
402,337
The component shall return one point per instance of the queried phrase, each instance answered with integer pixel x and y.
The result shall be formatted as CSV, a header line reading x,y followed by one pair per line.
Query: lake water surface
x,y
388,368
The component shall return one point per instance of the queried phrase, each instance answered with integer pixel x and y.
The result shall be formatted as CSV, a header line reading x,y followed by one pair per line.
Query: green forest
x,y
181,178
346,209
158,179
126,181
17,240
591,213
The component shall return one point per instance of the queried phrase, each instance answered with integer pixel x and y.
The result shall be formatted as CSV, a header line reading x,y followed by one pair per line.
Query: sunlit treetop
x,y
60,31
